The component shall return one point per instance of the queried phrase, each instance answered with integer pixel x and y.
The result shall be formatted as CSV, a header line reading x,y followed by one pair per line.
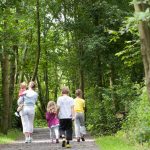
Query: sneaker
x,y
68,146
82,138
78,139
57,141
30,140
52,140
63,143
27,140
17,114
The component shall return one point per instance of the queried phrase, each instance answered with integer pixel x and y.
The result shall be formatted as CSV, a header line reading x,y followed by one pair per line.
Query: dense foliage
x,y
137,126
93,45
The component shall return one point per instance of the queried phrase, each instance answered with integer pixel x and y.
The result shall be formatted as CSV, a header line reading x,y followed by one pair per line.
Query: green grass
x,y
10,137
115,143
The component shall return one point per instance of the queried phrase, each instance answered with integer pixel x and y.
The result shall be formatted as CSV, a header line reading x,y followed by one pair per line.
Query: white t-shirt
x,y
65,103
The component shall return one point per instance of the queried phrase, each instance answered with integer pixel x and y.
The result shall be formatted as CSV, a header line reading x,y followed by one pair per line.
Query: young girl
x,y
52,120
23,87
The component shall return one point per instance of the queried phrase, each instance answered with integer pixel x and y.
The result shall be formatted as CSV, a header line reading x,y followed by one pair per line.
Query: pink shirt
x,y
21,92
52,119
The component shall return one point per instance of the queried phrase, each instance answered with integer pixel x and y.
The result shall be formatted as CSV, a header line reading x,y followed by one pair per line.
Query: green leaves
x,y
143,16
138,122
140,2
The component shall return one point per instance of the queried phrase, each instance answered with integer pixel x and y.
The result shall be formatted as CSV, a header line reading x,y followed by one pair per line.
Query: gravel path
x,y
41,141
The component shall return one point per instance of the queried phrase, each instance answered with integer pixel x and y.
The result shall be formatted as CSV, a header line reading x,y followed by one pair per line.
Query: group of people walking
x,y
61,116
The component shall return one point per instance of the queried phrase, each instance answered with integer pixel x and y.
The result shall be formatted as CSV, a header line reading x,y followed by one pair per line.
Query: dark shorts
x,y
66,128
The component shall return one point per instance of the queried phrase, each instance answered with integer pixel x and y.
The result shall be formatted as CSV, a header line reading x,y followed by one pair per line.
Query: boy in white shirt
x,y
65,105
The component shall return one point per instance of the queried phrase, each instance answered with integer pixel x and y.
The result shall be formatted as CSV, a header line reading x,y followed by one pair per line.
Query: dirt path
x,y
41,141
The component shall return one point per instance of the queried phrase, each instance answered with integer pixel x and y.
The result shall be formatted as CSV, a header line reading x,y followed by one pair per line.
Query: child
x,y
52,120
23,87
79,107
65,105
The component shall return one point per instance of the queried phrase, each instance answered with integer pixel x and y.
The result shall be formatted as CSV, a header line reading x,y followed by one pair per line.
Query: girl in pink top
x,y
52,120
23,88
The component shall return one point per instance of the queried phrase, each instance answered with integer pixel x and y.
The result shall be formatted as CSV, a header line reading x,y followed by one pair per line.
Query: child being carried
x,y
23,87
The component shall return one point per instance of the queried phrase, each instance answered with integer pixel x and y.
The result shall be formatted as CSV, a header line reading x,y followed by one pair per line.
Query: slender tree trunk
x,y
112,80
17,67
81,66
38,41
41,98
23,61
144,30
12,82
46,79
99,75
56,82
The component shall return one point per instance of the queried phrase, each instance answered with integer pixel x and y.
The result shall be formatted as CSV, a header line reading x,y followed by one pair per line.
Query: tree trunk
x,y
82,81
112,80
144,30
5,91
41,98
46,79
38,41
5,83
23,61
12,82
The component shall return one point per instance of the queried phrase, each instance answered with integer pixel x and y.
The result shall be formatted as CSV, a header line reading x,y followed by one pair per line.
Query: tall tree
x,y
5,89
141,8
38,40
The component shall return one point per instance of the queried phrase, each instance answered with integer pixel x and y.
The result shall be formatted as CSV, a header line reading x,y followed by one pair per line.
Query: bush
x,y
102,110
40,123
137,126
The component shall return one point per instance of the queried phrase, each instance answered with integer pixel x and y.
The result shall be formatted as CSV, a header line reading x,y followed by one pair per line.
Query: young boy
x,y
65,105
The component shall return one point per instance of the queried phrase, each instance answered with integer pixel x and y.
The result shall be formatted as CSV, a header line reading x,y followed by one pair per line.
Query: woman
x,y
29,99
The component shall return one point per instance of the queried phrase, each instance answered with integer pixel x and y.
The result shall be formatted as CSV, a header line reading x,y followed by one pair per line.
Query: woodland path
x,y
41,141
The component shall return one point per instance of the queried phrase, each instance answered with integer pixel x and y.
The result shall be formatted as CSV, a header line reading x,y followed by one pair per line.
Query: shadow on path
x,y
41,141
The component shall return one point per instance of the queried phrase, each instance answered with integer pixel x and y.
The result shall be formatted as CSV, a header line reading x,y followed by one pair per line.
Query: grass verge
x,y
10,137
115,143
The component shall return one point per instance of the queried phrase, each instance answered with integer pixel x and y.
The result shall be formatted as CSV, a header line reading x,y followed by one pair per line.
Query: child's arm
x,y
73,113
72,110
47,116
58,107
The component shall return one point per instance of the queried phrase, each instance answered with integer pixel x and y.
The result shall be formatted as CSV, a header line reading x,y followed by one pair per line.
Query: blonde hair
x,y
51,107
32,84
23,85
